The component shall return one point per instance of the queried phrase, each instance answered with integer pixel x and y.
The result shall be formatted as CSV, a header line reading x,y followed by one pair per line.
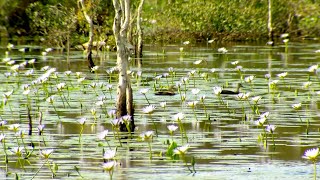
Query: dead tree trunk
x,y
139,31
124,91
270,29
90,42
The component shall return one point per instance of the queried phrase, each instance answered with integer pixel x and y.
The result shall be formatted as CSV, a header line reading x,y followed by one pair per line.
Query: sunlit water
x,y
224,144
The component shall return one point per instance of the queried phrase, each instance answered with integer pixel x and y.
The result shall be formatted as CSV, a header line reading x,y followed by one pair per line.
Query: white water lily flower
x,y
198,62
48,49
126,118
217,90
109,154
17,150
191,73
112,113
181,150
307,84
256,99
313,68
149,109
282,75
147,135
202,98
271,128
46,153
184,80
50,99
163,104
234,62
195,91
103,135
192,103
108,166
178,117
249,79
144,90
82,121
172,128
267,76
116,122
170,69
311,154
186,42
8,94
26,92
20,133
273,83
260,121
284,35
2,123
61,86
222,50
31,61
14,127
243,96
2,137
109,87
239,68
80,80
296,106
10,46
265,115
67,73
22,50
40,127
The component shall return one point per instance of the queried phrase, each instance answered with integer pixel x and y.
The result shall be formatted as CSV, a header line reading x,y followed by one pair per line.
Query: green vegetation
x,y
163,20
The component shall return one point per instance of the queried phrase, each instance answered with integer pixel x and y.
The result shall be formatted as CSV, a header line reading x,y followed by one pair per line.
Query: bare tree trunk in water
x,y
139,31
90,42
124,91
270,29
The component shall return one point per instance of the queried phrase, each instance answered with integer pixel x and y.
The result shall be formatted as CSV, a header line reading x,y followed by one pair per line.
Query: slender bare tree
x,y
139,31
270,29
124,90
90,42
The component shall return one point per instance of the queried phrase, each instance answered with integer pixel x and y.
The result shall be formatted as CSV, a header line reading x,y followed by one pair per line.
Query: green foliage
x,y
173,145
234,19
163,20
55,22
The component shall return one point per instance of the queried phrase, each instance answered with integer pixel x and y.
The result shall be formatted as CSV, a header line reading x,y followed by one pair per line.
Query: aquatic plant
x,y
193,104
179,117
312,155
172,128
109,167
149,110
182,151
201,99
144,91
82,122
270,129
50,100
148,136
163,104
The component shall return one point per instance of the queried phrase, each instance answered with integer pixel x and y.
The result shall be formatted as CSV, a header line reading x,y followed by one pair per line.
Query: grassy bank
x,y
164,21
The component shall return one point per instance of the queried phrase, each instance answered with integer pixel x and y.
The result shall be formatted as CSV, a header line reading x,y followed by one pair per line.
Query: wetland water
x,y
225,139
